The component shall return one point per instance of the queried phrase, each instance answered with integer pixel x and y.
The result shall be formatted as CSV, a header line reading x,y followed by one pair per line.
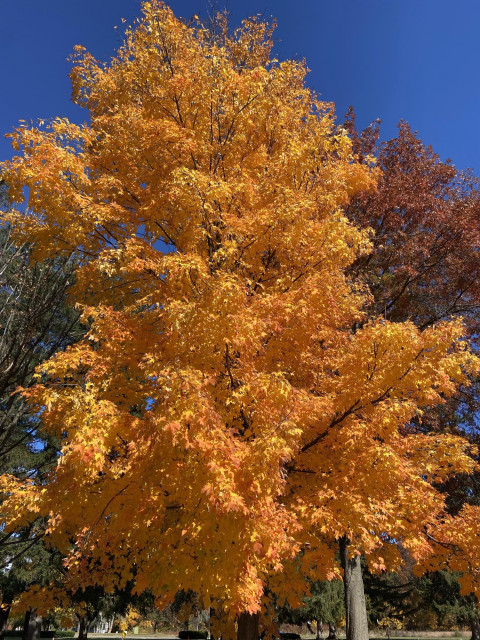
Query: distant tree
x,y
425,263
32,563
185,605
35,322
324,605
157,618
441,592
425,266
418,602
92,602
84,606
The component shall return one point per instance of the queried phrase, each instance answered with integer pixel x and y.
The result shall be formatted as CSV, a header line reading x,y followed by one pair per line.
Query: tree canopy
x,y
235,401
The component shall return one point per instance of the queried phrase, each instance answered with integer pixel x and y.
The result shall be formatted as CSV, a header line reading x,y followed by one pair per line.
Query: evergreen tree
x,y
35,322
324,605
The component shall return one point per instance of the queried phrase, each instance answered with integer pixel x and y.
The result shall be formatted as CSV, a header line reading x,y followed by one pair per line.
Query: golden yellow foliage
x,y
231,404
129,620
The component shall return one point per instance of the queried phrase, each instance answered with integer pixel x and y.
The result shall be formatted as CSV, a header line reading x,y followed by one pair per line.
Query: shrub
x,y
193,635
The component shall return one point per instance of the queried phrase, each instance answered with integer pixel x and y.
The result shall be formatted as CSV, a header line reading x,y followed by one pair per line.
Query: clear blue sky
x,y
411,59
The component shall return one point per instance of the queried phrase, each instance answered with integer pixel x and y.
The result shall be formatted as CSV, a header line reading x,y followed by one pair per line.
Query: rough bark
x,y
247,626
355,606
475,626
34,627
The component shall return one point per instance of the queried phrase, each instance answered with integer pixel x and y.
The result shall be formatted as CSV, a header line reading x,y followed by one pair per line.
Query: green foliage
x,y
193,635
440,590
325,603
431,601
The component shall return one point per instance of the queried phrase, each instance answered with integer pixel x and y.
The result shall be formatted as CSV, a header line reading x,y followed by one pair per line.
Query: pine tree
x,y
35,322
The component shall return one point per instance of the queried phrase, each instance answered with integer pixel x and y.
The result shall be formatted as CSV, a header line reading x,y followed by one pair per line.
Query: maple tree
x,y
426,264
232,403
425,215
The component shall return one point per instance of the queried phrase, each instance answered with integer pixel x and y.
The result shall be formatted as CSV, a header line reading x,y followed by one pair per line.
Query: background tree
x,y
35,322
82,605
425,265
152,615
324,605
432,601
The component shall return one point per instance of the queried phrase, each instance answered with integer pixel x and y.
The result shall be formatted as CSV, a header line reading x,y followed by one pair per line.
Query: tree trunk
x,y
319,634
475,626
355,607
26,622
211,623
82,627
4,613
247,626
34,627
332,631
